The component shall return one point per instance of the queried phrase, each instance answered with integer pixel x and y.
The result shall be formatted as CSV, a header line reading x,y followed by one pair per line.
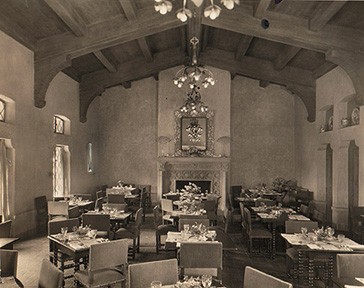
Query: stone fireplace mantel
x,y
214,169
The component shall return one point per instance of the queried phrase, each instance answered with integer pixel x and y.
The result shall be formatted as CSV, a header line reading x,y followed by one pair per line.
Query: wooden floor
x,y
31,253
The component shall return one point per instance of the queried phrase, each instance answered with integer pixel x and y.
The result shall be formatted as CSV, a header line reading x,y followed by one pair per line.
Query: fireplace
x,y
205,185
210,173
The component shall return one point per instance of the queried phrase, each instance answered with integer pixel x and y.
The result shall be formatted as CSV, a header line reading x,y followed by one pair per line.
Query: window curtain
x,y
4,181
66,172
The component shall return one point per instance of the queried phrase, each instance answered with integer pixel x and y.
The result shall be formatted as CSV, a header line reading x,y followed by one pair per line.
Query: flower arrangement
x,y
279,184
192,188
198,229
324,233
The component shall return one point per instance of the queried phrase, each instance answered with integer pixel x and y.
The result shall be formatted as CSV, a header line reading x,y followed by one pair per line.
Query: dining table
x,y
118,219
74,245
311,247
7,243
348,282
271,216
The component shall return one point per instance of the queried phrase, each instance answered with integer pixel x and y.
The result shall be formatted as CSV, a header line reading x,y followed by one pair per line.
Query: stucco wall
x,y
32,136
128,133
262,129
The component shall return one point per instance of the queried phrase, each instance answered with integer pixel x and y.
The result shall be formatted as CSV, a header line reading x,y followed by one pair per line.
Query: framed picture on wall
x,y
194,133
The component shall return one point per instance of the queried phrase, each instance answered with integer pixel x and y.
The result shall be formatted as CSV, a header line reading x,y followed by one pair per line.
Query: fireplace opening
x,y
204,184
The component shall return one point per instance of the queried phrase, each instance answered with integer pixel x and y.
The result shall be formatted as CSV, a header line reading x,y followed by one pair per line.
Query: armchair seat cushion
x,y
102,277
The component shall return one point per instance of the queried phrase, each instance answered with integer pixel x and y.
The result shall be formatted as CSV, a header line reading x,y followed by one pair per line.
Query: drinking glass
x,y
330,231
340,237
304,231
64,231
186,227
206,281
156,284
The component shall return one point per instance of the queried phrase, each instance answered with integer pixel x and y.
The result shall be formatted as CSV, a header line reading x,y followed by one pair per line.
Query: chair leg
x,y
138,244
157,243
134,248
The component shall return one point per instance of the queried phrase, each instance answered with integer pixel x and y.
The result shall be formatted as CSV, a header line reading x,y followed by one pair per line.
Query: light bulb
x,y
175,81
229,4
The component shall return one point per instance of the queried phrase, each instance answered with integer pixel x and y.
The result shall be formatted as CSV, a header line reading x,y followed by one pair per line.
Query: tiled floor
x,y
31,253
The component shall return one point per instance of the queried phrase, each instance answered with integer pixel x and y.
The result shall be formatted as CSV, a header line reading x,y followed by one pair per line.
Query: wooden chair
x,y
193,221
54,227
107,265
116,198
100,194
9,263
142,274
160,228
42,214
350,265
211,210
132,232
199,258
167,210
5,229
57,210
256,233
50,276
101,222
98,203
254,278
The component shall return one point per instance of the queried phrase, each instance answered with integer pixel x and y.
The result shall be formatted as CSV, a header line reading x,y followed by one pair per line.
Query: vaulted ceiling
x,y
104,43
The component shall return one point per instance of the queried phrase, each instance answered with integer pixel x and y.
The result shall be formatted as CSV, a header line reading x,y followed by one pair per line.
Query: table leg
x,y
274,226
310,271
330,270
300,266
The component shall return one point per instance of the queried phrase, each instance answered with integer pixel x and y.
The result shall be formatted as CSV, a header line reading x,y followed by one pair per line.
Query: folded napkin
x,y
361,280
356,246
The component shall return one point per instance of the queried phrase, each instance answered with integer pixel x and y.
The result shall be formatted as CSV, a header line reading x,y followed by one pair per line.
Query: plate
x,y
355,116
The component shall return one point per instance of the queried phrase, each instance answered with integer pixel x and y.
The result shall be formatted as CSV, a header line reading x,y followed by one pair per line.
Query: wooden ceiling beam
x,y
69,15
291,31
129,9
194,27
261,8
257,68
323,14
94,84
323,69
105,34
285,56
143,45
109,65
243,46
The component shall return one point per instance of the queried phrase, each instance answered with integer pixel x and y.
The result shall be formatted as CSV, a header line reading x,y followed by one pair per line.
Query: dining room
x,y
215,136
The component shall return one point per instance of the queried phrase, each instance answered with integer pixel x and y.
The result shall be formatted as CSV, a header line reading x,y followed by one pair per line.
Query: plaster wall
x,y
335,88
262,129
128,134
305,147
32,135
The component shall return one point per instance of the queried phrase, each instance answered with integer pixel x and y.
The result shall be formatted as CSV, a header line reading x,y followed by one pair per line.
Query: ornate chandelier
x,y
193,104
212,11
194,73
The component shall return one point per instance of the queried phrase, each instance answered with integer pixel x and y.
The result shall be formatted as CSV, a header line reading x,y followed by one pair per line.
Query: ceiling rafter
x,y
130,12
285,56
108,64
94,84
261,8
243,46
291,31
69,15
105,34
323,69
194,28
323,14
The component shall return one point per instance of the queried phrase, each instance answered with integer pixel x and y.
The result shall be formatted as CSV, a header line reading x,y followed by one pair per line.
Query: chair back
x,y
139,218
167,205
100,194
173,197
248,219
254,278
199,258
294,226
50,276
74,212
41,203
267,202
305,210
243,218
57,208
235,191
193,216
116,198
108,255
101,222
98,203
350,265
158,219
9,262
5,229
54,227
118,206
142,274
193,221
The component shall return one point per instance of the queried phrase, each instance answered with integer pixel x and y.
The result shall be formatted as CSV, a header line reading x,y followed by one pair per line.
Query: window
x,y
58,125
89,158
61,171
2,110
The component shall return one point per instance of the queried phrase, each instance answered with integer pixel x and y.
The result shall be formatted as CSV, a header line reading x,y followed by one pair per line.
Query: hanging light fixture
x,y
193,104
194,73
212,11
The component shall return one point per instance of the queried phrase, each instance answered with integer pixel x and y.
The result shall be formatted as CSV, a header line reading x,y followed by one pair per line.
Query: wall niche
x,y
351,112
